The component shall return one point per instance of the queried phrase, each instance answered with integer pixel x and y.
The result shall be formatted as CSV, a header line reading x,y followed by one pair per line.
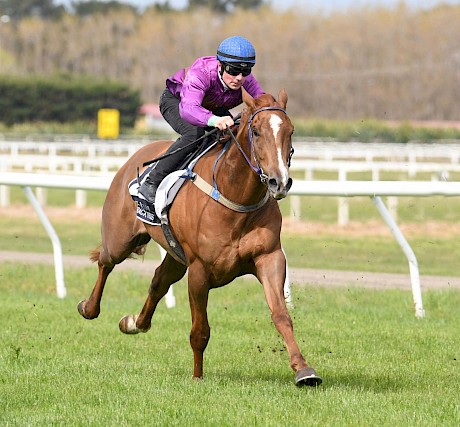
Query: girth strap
x,y
216,195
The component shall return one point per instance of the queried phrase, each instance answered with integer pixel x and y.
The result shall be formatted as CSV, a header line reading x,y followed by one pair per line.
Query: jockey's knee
x,y
192,134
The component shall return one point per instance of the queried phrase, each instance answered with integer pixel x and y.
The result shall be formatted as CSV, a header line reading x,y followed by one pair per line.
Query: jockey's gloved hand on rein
x,y
221,123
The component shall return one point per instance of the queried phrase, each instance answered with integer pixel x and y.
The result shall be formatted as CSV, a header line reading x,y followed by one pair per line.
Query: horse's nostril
x,y
273,183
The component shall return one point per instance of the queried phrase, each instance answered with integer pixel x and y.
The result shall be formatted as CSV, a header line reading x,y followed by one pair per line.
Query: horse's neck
x,y
236,179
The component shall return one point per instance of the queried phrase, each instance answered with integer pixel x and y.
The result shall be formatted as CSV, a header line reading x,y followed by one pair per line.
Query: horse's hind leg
x,y
169,272
91,307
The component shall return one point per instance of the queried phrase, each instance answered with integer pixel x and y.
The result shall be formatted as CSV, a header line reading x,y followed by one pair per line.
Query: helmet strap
x,y
221,71
221,77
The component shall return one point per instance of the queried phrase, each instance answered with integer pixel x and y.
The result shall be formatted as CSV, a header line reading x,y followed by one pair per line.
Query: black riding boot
x,y
150,185
163,168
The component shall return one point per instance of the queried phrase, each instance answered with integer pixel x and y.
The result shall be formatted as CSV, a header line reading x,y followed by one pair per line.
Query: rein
x,y
206,134
212,190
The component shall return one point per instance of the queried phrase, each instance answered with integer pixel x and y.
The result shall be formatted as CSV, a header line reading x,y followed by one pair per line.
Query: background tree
x,y
84,8
225,6
164,6
17,9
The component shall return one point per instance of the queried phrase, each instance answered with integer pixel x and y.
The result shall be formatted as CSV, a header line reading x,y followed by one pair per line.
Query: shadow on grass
x,y
364,382
353,381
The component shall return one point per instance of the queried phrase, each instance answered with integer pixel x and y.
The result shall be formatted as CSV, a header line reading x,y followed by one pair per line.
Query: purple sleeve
x,y
196,83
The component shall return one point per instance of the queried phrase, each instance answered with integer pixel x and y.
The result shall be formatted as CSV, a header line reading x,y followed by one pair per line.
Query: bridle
x,y
256,168
213,191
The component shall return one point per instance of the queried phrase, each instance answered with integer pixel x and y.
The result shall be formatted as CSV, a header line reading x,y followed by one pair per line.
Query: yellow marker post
x,y
108,123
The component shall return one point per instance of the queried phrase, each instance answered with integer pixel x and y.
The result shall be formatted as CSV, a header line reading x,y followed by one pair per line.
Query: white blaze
x,y
275,123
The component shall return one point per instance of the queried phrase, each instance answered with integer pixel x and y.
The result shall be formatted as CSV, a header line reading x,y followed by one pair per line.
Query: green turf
x,y
435,256
417,210
379,364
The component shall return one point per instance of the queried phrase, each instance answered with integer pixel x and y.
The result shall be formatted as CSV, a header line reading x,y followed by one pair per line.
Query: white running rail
x,y
373,189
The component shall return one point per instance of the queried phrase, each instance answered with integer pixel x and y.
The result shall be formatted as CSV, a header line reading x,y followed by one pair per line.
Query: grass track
x,y
380,365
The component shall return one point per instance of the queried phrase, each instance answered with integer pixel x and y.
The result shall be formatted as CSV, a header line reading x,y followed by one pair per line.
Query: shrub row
x,y
64,99
373,131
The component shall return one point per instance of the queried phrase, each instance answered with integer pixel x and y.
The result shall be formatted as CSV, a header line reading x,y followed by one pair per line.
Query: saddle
x,y
158,214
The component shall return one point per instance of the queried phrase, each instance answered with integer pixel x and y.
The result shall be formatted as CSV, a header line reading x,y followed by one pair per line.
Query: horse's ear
x,y
283,98
248,99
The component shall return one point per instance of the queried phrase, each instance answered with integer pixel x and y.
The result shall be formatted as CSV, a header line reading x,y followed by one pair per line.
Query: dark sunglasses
x,y
236,71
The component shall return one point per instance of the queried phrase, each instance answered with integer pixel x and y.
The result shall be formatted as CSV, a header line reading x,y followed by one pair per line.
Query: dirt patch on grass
x,y
92,215
373,228
359,229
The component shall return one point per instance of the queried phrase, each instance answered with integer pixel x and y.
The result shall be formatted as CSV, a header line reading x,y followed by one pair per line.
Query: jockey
x,y
201,96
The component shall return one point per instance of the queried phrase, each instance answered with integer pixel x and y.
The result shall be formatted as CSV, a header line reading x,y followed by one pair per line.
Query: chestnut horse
x,y
219,243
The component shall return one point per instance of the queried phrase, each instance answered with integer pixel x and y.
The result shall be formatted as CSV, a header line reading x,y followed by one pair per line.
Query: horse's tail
x,y
138,250
95,253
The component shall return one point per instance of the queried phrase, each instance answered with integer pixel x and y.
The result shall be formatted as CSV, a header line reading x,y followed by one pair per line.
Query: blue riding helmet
x,y
238,50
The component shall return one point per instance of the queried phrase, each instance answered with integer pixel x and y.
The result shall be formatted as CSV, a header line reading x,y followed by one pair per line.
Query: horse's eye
x,y
255,132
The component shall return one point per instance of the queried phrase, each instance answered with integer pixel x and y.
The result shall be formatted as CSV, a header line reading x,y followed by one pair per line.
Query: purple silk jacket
x,y
201,91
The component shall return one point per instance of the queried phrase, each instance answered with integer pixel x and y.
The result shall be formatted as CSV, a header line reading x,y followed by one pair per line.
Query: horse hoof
x,y
82,311
307,376
128,325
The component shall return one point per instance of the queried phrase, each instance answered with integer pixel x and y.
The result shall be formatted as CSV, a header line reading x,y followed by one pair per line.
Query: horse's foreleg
x,y
169,272
271,270
91,307
198,291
